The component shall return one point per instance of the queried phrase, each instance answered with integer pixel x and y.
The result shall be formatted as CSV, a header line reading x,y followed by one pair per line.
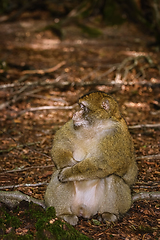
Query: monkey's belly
x,y
88,195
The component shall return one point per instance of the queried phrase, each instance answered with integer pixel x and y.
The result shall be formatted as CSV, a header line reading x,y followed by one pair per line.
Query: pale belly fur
x,y
87,198
88,193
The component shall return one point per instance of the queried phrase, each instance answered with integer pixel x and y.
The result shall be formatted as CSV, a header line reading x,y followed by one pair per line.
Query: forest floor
x,y
38,69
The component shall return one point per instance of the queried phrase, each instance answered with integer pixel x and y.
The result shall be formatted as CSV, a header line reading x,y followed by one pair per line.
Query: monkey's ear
x,y
113,109
105,105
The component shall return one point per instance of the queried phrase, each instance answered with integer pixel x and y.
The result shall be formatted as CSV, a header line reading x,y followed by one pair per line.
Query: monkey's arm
x,y
83,171
112,157
62,150
89,169
62,158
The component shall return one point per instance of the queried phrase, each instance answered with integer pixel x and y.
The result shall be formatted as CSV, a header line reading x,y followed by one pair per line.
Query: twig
x,y
149,157
43,83
21,169
133,63
146,196
148,183
155,113
17,83
43,71
18,146
146,187
112,69
24,185
156,125
89,75
16,98
12,199
21,146
63,84
46,98
48,108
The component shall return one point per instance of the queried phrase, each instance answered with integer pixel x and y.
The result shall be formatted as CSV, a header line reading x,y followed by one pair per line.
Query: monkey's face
x,y
95,108
81,117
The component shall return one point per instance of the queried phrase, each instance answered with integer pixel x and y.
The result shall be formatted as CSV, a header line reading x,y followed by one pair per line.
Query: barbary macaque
x,y
95,163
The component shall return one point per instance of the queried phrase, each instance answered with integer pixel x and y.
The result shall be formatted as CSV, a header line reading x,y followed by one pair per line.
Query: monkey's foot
x,y
110,217
70,218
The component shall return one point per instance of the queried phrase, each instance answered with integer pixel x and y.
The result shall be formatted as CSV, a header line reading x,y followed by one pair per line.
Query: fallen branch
x,y
146,187
46,98
130,63
149,157
21,169
48,108
156,125
24,185
19,82
155,113
146,196
16,98
44,71
12,199
62,84
110,70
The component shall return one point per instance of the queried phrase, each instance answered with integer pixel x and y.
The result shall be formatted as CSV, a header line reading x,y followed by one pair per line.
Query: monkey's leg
x,y
60,196
117,198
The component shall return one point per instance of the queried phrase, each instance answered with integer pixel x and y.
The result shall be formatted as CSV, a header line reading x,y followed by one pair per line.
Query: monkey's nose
x,y
76,115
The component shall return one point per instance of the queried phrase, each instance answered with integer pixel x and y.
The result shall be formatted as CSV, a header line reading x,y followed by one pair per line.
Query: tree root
x,y
13,198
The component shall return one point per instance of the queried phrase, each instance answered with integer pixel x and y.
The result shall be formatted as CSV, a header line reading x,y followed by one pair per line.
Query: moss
x,y
35,211
13,236
49,227
43,224
8,219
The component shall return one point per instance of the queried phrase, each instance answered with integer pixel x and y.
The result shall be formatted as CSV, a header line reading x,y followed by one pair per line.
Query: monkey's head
x,y
94,107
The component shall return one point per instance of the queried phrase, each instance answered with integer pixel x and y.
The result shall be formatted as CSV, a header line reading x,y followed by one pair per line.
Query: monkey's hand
x,y
81,171
63,174
66,175
89,168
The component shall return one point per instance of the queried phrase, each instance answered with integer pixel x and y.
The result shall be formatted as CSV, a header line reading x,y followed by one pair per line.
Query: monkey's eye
x,y
83,107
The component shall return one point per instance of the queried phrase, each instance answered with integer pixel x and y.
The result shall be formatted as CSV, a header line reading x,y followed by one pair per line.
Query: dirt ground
x,y
119,62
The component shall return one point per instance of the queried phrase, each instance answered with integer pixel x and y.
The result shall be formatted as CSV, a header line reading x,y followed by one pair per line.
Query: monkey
x,y
94,161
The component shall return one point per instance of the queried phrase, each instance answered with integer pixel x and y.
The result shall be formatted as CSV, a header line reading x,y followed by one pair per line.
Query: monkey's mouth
x,y
77,124
80,123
